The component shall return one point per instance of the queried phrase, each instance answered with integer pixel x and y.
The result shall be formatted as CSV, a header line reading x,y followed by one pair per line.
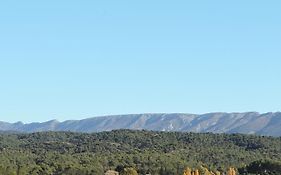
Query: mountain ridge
x,y
218,122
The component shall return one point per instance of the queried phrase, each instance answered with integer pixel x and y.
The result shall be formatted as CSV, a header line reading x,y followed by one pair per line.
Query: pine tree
x,y
205,171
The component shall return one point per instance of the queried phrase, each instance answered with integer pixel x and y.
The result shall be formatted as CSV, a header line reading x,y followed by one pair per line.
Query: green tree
x,y
129,171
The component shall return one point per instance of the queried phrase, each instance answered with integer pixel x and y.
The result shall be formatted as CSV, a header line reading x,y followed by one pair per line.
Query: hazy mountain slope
x,y
249,123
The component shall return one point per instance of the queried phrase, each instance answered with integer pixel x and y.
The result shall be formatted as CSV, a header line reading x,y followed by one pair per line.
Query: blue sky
x,y
78,59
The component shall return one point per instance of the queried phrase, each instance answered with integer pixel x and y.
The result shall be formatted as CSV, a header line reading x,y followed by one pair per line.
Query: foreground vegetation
x,y
144,152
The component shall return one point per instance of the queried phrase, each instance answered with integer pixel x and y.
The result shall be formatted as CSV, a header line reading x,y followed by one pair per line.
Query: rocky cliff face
x,y
248,123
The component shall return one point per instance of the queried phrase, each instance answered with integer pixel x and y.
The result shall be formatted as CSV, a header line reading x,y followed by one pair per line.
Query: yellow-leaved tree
x,y
187,171
231,171
196,172
217,173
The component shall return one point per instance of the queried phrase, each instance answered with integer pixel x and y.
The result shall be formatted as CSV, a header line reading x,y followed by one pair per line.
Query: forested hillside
x,y
156,153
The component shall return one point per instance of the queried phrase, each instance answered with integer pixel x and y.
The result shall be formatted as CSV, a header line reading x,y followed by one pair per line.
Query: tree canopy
x,y
141,152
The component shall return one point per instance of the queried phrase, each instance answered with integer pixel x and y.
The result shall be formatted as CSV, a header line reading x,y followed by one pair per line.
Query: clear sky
x,y
71,59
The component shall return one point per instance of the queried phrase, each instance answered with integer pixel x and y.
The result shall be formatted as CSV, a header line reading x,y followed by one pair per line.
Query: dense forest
x,y
141,152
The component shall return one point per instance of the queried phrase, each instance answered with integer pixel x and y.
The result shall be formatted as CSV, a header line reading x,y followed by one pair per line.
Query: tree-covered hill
x,y
157,153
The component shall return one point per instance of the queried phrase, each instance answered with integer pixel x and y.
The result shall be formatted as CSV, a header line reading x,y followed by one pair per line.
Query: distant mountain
x,y
248,123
